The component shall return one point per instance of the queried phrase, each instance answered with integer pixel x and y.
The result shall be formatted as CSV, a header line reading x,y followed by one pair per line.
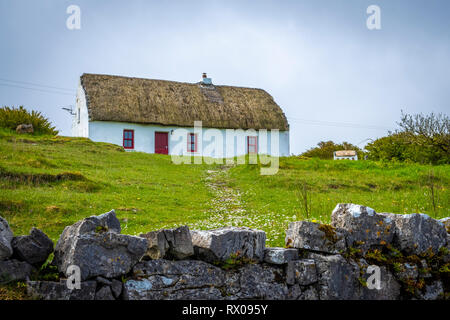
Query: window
x,y
252,144
78,115
128,139
192,142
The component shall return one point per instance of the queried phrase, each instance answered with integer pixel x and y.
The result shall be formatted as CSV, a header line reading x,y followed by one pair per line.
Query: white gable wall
x,y
144,138
80,122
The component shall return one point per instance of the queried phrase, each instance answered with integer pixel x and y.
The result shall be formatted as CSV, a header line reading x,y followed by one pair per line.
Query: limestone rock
x,y
116,288
14,270
47,290
388,289
162,279
407,271
6,236
315,237
365,228
446,222
416,233
229,242
433,291
96,247
302,272
33,248
104,293
169,243
280,255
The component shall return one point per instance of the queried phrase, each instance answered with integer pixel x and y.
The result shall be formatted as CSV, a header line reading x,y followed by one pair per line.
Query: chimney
x,y
206,80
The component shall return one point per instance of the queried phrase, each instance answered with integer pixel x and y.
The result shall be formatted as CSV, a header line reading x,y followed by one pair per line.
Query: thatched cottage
x,y
143,114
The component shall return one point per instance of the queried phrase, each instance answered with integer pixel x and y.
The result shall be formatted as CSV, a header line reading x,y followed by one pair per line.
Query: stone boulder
x,y
315,237
446,222
365,228
229,242
165,279
280,255
169,243
34,248
417,233
256,281
6,236
25,128
48,290
96,247
389,288
14,270
433,291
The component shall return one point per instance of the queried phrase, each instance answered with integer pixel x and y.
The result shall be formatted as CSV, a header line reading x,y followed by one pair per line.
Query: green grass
x,y
51,182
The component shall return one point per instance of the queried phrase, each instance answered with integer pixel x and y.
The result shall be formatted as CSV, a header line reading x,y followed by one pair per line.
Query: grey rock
x,y
33,248
337,278
365,228
224,243
302,272
280,255
433,291
47,290
6,236
407,271
446,222
169,243
116,288
262,282
315,237
14,270
104,293
416,233
164,279
96,247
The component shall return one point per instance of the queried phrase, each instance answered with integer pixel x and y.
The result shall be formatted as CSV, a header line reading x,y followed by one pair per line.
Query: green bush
x,y
325,149
12,117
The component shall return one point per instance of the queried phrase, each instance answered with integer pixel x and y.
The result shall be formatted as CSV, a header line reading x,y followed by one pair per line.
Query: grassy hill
x,y
51,182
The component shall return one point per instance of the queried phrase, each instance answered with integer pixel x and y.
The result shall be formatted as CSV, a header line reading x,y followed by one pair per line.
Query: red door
x,y
161,142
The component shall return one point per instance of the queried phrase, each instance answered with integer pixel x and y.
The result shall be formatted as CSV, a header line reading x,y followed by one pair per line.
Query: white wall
x,y
144,138
80,122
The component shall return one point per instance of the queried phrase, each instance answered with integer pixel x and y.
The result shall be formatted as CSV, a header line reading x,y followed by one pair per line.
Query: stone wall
x,y
360,255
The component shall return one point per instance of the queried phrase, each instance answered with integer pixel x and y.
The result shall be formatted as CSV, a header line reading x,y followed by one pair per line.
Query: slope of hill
x,y
52,182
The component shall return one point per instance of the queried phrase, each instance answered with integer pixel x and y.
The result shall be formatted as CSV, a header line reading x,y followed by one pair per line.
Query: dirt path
x,y
227,207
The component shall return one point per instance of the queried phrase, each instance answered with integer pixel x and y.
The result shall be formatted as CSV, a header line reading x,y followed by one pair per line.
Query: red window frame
x,y
190,144
127,139
255,144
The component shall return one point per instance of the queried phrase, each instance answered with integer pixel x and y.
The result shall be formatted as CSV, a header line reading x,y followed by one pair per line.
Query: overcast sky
x,y
333,77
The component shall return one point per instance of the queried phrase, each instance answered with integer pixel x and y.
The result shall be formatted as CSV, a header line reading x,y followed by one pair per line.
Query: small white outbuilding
x,y
345,154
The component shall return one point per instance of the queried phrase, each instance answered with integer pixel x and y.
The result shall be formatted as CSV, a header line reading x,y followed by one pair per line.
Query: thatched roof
x,y
124,99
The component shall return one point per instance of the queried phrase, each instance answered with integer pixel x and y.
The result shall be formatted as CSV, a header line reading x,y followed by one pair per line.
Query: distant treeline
x,y
420,138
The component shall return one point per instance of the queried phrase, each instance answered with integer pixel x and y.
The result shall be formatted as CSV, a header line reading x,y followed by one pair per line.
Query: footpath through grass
x,y
52,182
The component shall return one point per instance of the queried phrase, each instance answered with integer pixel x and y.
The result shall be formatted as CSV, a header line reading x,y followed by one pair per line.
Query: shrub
x,y
12,117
